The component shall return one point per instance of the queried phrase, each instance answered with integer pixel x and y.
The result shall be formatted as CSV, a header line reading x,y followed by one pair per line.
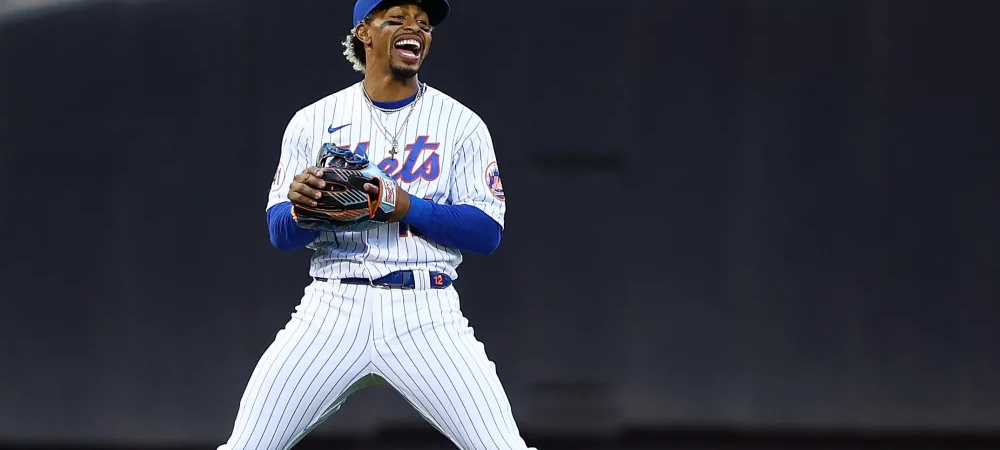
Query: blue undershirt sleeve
x,y
464,227
286,235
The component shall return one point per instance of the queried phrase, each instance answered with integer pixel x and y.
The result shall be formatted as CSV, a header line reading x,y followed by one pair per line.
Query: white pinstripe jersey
x,y
445,155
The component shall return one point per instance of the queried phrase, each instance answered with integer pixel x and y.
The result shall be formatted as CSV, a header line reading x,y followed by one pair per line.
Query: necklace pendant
x,y
392,152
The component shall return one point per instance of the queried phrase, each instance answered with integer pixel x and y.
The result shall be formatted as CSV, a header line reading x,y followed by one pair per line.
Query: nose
x,y
410,24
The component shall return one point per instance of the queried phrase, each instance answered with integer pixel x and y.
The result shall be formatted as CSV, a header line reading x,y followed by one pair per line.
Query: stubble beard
x,y
402,73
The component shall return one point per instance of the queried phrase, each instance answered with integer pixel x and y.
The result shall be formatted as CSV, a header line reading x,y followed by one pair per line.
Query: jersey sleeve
x,y
295,157
476,179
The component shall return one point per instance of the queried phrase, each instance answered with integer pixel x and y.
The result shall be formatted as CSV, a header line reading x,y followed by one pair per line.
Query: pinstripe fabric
x,y
417,341
307,372
452,168
426,350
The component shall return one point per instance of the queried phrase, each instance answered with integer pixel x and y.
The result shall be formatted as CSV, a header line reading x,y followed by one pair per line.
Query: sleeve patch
x,y
492,178
279,177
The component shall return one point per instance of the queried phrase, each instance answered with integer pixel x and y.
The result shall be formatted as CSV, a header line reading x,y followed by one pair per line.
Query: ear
x,y
363,33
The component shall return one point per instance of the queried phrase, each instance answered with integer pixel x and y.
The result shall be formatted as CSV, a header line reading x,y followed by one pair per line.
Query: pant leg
x,y
431,356
314,363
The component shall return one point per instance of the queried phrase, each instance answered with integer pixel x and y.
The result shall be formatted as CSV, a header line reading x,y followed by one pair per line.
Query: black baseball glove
x,y
345,205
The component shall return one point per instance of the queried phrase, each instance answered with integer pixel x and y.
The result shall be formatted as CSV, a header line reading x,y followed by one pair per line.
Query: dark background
x,y
803,251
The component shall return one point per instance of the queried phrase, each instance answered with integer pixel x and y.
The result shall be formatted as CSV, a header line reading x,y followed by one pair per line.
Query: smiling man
x,y
381,308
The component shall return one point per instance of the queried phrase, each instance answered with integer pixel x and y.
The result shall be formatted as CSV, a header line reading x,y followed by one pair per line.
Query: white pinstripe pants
x,y
417,340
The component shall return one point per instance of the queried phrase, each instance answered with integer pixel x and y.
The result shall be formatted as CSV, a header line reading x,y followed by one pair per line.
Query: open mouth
x,y
409,49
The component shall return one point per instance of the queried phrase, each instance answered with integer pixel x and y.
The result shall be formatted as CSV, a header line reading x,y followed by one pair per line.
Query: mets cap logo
x,y
493,181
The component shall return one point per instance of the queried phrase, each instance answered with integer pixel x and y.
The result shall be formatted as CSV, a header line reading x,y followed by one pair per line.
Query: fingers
x,y
371,188
303,194
305,187
312,177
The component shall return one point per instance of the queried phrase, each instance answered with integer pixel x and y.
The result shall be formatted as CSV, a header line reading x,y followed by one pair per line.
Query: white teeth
x,y
412,42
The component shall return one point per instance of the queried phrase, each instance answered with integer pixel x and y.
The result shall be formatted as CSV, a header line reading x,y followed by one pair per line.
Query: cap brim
x,y
436,10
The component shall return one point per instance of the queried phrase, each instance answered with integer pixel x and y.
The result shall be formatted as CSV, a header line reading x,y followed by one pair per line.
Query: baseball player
x,y
381,308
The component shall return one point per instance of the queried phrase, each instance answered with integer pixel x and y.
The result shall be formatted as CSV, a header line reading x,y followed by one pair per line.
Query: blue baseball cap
x,y
436,10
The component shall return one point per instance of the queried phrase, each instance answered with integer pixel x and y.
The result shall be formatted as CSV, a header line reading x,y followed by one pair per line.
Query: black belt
x,y
402,279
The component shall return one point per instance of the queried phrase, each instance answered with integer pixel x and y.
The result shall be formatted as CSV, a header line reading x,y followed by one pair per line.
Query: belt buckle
x,y
390,286
403,282
401,285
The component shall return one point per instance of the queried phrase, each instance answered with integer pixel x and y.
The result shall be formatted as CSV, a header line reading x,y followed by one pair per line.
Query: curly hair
x,y
354,51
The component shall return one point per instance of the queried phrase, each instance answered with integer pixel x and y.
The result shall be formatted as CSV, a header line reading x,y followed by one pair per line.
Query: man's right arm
x,y
286,235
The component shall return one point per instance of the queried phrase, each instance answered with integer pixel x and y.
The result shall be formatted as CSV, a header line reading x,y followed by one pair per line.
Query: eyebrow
x,y
399,10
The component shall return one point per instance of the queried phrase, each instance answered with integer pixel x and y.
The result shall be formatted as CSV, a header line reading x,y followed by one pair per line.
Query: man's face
x,y
399,36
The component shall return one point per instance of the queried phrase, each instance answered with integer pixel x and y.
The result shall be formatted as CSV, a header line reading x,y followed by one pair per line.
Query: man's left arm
x,y
474,219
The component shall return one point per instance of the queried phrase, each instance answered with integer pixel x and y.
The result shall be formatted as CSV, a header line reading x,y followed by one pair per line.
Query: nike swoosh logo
x,y
334,130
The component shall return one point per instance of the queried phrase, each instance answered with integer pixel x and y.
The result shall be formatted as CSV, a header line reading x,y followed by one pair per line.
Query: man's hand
x,y
303,190
402,201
